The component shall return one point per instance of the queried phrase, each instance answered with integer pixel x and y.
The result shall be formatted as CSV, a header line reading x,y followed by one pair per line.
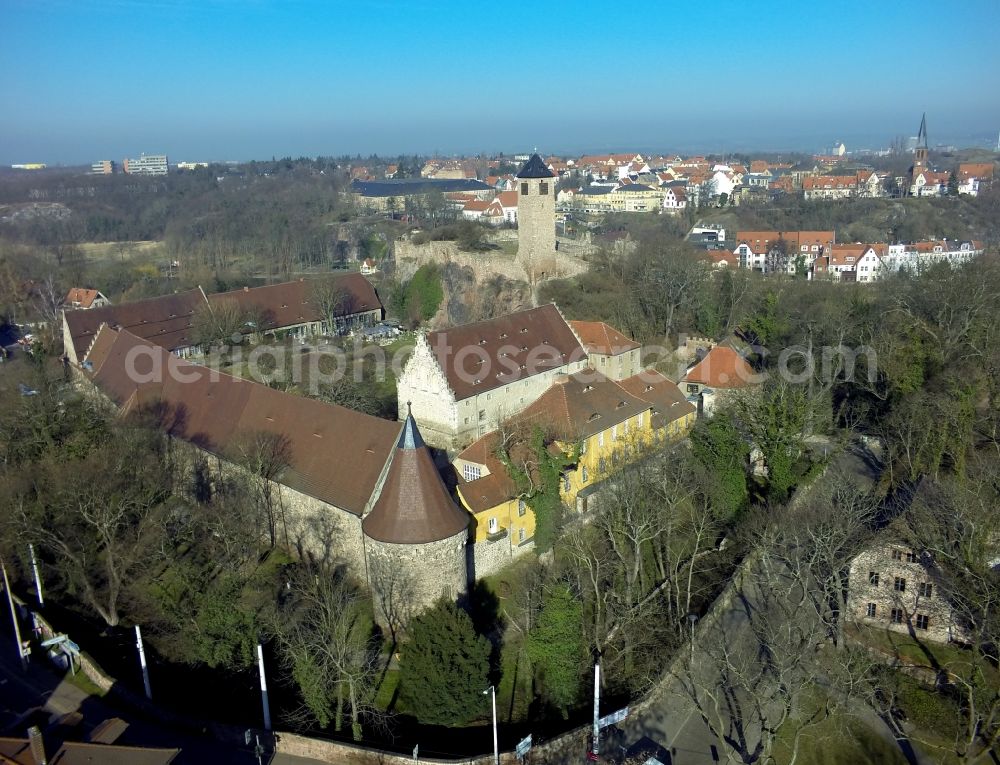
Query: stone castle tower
x,y
536,217
415,535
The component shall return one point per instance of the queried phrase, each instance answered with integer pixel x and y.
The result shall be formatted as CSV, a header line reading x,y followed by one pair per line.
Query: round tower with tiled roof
x,y
536,217
415,535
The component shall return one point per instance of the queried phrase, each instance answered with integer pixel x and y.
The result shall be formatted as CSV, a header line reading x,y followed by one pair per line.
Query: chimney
x,y
37,746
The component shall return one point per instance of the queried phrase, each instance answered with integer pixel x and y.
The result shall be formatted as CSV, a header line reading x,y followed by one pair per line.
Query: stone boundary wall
x,y
484,265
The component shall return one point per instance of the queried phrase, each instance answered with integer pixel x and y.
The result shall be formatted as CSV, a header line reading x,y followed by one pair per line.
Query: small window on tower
x,y
524,189
543,188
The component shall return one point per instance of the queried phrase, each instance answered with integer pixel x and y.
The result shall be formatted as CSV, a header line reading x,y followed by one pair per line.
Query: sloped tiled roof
x,y
413,507
18,752
598,337
489,490
81,296
814,182
507,198
535,168
290,303
165,321
663,395
479,357
722,368
975,170
582,404
476,205
334,454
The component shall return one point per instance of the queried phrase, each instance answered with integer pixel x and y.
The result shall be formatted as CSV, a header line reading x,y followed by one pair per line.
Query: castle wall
x,y
314,528
489,557
406,579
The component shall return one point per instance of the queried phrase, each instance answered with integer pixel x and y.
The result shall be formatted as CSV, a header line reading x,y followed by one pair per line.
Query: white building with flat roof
x,y
146,164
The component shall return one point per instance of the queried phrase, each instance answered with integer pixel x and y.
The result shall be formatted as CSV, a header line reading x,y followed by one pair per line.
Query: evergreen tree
x,y
555,647
719,445
444,667
953,184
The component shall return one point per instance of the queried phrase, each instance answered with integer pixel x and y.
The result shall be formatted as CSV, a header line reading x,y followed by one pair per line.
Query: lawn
x,y
918,653
838,741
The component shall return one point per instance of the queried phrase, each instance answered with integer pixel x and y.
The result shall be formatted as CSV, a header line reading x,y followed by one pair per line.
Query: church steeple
x,y
920,152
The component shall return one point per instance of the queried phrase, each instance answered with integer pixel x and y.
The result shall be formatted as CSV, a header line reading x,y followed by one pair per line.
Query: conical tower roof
x,y
535,168
414,506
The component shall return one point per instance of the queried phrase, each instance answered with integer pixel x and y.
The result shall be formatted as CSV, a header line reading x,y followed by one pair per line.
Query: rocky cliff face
x,y
469,296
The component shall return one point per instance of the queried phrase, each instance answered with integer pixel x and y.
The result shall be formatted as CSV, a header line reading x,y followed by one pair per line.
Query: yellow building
x,y
601,424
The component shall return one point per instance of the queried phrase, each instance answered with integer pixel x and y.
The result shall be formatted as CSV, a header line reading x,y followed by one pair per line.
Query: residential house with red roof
x,y
596,423
972,175
927,183
608,350
830,186
852,263
717,376
80,298
781,251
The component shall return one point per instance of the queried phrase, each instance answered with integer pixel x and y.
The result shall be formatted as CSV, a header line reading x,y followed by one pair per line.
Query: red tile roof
x,y
979,170
291,303
760,241
165,321
820,182
413,506
335,454
489,490
80,296
598,337
579,405
663,395
499,351
508,198
722,368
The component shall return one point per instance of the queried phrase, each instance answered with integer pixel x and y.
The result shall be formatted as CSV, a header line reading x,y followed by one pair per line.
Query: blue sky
x,y
82,80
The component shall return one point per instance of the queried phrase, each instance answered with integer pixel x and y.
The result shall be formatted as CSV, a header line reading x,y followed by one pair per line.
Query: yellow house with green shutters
x,y
598,424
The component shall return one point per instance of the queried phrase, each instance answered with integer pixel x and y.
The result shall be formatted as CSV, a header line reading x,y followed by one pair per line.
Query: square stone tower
x,y
536,217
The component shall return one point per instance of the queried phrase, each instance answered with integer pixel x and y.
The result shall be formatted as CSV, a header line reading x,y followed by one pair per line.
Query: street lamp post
x,y
38,578
496,748
13,616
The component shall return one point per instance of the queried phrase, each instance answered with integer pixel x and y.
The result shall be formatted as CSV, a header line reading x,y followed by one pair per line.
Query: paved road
x,y
41,696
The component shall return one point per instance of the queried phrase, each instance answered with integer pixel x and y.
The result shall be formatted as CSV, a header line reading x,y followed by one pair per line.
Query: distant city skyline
x,y
240,80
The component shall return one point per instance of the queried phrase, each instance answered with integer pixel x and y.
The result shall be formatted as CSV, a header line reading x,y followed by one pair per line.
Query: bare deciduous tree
x,y
325,635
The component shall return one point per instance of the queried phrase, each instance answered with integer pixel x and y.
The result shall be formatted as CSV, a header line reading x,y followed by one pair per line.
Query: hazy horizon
x,y
231,80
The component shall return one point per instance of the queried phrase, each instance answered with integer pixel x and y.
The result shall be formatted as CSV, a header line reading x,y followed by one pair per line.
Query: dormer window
x,y
482,342
503,335
588,388
620,405
594,416
523,330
